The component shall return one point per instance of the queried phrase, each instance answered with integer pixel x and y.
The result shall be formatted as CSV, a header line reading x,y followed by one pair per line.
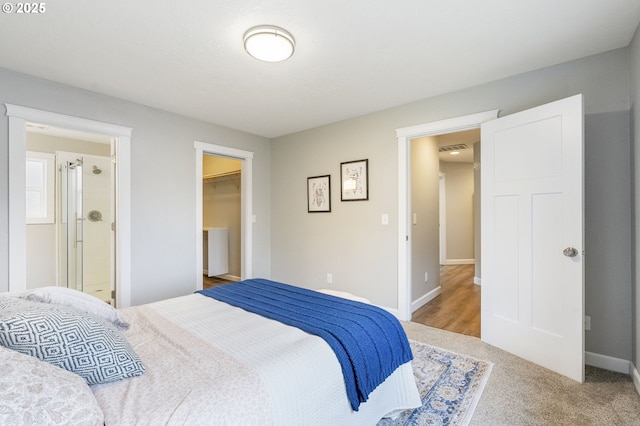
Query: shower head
x,y
96,170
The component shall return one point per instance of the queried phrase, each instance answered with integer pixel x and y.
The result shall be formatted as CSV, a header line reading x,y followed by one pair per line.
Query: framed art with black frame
x,y
354,177
319,194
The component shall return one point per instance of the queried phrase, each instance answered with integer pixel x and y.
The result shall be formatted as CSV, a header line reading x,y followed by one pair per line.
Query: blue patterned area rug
x,y
450,387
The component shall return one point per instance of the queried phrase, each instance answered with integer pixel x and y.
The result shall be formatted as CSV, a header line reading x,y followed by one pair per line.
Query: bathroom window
x,y
40,187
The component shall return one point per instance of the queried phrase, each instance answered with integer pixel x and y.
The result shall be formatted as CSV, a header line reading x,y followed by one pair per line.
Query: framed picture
x,y
319,194
354,176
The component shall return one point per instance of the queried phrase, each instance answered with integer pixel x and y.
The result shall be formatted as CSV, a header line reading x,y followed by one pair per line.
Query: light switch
x,y
385,219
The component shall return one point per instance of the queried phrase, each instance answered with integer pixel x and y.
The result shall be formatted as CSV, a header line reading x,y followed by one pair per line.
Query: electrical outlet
x,y
329,278
426,277
587,323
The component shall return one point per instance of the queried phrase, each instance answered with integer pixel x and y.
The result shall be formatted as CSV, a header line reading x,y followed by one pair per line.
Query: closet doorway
x,y
221,219
247,218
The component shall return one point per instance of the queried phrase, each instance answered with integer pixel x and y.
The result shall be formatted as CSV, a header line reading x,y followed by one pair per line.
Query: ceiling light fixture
x,y
455,153
268,43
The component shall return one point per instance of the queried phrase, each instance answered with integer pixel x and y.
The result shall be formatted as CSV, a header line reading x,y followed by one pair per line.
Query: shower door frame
x,y
70,231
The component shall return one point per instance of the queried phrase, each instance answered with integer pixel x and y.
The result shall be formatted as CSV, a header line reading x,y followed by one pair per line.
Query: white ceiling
x,y
352,57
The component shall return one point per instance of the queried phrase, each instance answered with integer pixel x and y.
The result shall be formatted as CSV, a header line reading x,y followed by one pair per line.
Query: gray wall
x,y
608,282
163,225
459,202
351,241
425,206
635,136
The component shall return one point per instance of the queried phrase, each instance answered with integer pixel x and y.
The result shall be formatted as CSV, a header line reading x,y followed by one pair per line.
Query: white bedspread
x,y
253,371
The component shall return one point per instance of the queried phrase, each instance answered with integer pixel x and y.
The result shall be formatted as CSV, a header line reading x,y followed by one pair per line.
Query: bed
x,y
197,360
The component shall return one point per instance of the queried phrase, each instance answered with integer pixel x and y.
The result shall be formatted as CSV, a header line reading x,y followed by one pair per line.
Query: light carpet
x,y
450,386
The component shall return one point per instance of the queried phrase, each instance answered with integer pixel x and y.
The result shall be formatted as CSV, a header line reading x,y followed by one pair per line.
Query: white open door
x,y
532,235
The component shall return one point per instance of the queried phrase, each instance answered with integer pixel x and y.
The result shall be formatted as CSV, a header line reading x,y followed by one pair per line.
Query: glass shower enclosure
x,y
84,228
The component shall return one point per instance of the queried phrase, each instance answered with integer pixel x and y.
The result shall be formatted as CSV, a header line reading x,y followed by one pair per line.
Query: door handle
x,y
570,252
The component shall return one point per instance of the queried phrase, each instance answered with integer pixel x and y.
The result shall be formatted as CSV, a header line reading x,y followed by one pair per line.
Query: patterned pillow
x,y
69,339
80,301
33,392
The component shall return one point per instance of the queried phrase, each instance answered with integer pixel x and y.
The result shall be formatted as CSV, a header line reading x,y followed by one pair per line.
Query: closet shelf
x,y
233,177
219,175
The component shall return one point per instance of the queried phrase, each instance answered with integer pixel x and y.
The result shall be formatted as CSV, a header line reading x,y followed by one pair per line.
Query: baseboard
x,y
230,277
460,262
477,280
607,362
635,376
417,304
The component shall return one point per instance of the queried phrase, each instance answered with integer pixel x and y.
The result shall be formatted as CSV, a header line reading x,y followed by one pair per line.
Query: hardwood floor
x,y
457,308
213,281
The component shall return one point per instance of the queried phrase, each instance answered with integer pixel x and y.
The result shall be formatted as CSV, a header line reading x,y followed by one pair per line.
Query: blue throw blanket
x,y
368,341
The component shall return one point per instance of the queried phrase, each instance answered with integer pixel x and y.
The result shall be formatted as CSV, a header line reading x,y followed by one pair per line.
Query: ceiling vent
x,y
457,147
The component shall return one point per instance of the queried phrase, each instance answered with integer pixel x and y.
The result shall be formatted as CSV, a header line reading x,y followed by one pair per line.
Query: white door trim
x,y
246,197
404,136
18,118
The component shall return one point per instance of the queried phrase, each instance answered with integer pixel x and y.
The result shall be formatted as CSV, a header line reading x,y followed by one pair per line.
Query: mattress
x,y
211,363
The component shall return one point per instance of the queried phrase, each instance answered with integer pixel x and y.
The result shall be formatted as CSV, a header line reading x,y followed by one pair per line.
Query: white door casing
x,y
19,116
404,136
532,209
246,205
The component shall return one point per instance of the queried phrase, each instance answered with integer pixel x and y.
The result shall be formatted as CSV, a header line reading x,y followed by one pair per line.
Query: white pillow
x,y
78,300
33,392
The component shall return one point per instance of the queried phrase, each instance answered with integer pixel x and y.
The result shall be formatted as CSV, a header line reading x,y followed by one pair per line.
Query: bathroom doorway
x,y
72,244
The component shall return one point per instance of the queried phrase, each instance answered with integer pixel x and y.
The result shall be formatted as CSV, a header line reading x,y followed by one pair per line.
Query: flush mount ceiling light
x,y
268,43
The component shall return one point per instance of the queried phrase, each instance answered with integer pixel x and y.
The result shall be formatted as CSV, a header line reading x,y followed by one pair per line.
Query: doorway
x,y
69,237
455,301
247,218
120,152
221,219
405,136
544,183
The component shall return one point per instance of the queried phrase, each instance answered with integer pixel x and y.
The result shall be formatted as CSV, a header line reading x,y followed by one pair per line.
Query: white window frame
x,y
45,191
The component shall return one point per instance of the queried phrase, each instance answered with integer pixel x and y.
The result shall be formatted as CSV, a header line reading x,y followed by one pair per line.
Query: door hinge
x,y
113,294
113,226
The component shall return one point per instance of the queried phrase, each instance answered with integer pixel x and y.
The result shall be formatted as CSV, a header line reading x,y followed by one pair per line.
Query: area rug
x,y
450,387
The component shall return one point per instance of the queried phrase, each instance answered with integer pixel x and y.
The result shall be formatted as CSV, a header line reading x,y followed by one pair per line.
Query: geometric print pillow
x,y
69,339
